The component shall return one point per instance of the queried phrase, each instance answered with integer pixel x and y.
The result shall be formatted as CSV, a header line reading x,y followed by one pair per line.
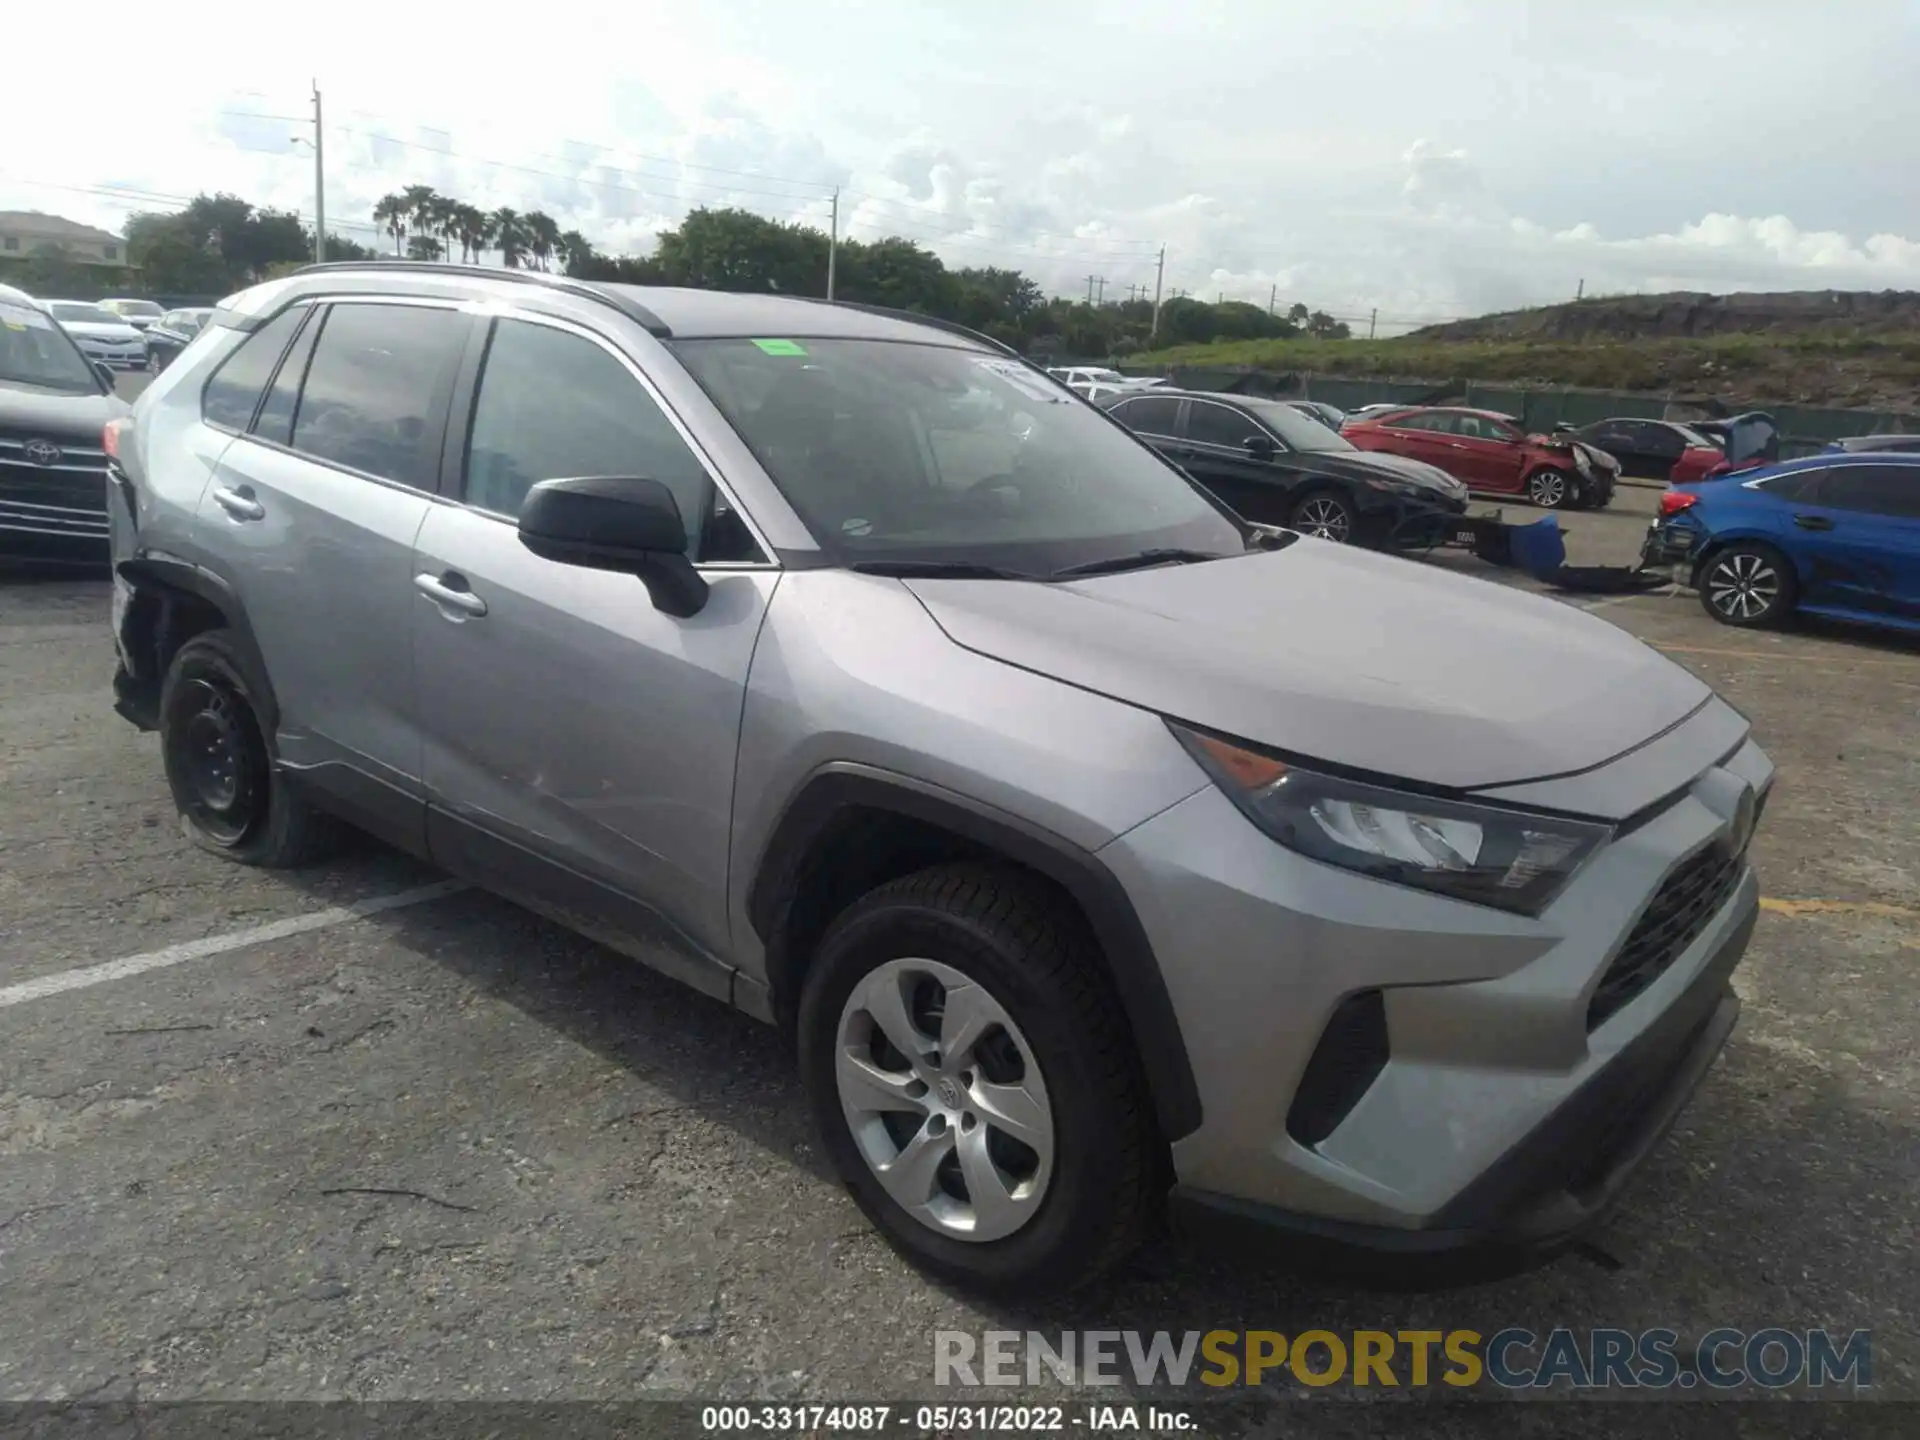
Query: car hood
x,y
1343,656
119,332
1359,464
57,416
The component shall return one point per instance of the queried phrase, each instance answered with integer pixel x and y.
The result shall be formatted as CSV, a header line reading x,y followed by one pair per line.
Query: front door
x,y
313,512
580,744
1488,452
1257,485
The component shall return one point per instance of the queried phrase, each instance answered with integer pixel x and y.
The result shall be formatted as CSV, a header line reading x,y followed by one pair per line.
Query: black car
x,y
54,403
1653,449
1270,464
171,334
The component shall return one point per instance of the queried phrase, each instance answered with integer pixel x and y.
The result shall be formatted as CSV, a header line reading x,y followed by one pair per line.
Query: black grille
x,y
1349,1058
1690,897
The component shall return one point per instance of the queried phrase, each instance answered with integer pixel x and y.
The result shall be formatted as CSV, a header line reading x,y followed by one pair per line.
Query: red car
x,y
1491,453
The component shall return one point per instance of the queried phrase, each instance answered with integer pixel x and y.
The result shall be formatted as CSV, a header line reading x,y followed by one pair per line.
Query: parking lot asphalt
x,y
448,1150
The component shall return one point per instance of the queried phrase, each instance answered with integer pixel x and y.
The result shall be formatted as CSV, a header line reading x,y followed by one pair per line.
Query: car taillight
x,y
1672,502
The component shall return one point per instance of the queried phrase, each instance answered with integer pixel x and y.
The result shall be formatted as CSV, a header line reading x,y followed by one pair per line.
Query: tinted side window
x,y
553,405
1661,440
1151,416
1802,487
234,389
1873,489
275,421
1212,424
375,391
1422,422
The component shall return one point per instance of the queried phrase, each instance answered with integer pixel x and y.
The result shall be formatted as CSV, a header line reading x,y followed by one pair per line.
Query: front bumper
x,y
1671,543
1534,1202
1511,1081
1411,522
120,357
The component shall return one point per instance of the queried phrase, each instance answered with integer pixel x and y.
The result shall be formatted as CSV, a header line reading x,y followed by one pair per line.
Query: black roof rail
x,y
952,327
626,305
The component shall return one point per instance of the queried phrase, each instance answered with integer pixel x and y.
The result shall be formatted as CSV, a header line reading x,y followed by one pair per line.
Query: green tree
x,y
392,213
575,252
543,237
510,234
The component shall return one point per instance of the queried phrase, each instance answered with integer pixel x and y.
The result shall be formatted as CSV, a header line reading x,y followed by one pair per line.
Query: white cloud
x,y
1419,157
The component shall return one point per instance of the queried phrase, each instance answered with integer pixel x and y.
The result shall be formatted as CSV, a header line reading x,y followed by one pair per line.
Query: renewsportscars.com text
x,y
1513,1359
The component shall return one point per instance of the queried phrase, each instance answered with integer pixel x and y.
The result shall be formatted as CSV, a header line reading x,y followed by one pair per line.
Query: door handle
x,y
1813,522
436,588
240,503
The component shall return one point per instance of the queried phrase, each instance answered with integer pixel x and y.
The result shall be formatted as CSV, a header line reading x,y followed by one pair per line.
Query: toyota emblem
x,y
42,452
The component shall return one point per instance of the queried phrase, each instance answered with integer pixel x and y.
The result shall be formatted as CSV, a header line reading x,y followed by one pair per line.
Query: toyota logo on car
x,y
42,452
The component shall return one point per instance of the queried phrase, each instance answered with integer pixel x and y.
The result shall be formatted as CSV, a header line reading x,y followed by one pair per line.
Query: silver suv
x,y
1095,848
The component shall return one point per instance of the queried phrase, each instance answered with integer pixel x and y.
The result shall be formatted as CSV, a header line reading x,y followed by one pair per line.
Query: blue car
x,y
1831,534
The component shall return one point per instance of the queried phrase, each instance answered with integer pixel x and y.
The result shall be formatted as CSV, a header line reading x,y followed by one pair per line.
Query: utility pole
x,y
833,242
319,181
1580,290
1373,322
1273,295
1159,273
1101,281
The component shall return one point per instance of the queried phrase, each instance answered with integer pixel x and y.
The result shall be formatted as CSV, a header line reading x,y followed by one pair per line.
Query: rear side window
x,y
233,390
275,422
1801,487
376,390
1152,416
1873,489
1420,422
553,405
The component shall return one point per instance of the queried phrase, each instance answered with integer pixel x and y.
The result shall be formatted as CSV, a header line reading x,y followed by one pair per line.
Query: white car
x,y
100,334
137,313
1096,381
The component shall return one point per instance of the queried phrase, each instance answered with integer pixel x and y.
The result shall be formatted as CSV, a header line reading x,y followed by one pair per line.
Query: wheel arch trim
x,y
833,790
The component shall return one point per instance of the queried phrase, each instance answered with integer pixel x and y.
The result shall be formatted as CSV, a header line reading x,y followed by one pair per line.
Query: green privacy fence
x,y
1803,428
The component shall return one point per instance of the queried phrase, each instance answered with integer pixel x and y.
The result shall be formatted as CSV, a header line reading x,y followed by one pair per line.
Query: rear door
x,y
1864,535
579,743
314,510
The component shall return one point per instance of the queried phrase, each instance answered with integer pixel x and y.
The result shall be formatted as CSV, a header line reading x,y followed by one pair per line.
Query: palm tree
x,y
476,230
392,214
445,214
543,236
423,246
510,234
575,252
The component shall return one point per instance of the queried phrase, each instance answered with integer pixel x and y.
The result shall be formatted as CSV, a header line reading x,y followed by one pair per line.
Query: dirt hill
x,y
1686,314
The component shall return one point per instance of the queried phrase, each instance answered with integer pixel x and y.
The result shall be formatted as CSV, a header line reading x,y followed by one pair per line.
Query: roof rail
x,y
627,306
952,327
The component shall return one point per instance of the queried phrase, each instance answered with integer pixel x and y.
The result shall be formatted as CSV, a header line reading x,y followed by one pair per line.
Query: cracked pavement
x,y
452,1151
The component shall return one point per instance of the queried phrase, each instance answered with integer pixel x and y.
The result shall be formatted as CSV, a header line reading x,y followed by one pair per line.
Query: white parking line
x,y
65,980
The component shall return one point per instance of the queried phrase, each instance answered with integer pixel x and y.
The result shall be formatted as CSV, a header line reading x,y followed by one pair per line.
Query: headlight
x,y
1510,859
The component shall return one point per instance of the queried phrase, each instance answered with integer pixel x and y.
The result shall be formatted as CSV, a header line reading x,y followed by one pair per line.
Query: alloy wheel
x,y
1324,516
1547,488
1743,585
944,1100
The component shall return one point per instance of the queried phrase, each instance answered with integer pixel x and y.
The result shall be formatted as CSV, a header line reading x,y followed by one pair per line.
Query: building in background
x,y
29,235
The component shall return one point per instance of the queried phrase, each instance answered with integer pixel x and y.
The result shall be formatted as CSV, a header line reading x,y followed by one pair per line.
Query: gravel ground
x,y
450,1151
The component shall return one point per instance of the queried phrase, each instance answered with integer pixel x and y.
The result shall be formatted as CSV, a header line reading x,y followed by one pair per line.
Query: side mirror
x,y
627,525
107,376
1259,447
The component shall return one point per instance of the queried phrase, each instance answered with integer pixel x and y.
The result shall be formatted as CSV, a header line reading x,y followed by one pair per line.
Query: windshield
x,y
73,312
136,307
187,322
1106,377
34,352
1301,432
895,451
1695,438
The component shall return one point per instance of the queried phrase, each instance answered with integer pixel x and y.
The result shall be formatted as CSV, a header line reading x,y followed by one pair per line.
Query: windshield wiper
x,y
1138,560
937,570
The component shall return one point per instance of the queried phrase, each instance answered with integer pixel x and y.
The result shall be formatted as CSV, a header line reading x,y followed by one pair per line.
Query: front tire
x,y
975,1082
231,798
1324,513
1747,585
1549,488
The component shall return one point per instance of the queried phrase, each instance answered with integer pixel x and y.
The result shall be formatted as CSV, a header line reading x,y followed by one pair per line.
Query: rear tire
x,y
1550,488
231,798
968,1000
1747,585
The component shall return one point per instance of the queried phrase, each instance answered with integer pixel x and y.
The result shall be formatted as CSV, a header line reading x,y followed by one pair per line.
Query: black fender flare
x,y
1081,873
153,573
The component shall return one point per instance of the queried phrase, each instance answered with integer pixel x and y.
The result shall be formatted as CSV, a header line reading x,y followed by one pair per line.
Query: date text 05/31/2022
x,y
941,1419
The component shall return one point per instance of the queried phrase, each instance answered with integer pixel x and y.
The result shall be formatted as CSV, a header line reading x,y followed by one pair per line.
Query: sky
x,y
1412,159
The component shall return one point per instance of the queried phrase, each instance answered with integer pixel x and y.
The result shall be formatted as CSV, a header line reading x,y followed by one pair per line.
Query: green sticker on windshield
x,y
781,347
